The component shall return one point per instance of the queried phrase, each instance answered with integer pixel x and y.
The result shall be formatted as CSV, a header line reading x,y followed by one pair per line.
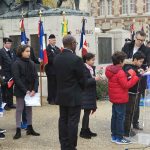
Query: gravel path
x,y
45,121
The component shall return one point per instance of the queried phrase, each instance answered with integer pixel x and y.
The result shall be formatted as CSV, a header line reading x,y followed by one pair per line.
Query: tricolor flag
x,y
42,52
142,28
83,43
132,30
23,34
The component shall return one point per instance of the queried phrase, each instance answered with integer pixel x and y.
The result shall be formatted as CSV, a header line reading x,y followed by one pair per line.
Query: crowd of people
x,y
72,85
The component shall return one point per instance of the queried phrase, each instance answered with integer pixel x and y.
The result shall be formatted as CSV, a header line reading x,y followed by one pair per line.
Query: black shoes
x,y
84,133
87,133
2,136
137,127
30,131
18,134
91,133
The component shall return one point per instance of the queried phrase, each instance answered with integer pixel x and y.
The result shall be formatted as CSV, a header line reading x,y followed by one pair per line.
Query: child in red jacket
x,y
118,86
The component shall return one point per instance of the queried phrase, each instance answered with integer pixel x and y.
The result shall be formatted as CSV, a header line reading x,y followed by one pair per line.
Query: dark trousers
x,y
7,95
0,97
131,108
137,111
51,89
85,120
117,120
68,126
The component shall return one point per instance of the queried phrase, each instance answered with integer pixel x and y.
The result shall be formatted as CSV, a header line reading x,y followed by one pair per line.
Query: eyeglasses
x,y
140,40
75,43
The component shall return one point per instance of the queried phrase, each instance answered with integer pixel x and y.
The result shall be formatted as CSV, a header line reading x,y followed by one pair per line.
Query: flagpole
x,y
41,63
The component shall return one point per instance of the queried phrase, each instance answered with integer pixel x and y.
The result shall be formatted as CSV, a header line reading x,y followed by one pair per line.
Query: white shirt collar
x,y
6,49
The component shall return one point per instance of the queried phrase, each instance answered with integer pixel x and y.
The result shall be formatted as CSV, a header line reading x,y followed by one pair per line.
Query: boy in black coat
x,y
133,103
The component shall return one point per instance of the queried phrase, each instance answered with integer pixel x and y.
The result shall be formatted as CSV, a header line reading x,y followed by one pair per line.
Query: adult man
x,y
52,51
7,57
130,49
70,82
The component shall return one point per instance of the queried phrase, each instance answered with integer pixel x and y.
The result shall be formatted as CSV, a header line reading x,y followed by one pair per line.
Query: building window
x,y
132,6
102,7
124,7
128,6
109,7
147,5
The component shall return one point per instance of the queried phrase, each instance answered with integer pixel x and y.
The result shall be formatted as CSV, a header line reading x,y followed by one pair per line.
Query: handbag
x,y
33,101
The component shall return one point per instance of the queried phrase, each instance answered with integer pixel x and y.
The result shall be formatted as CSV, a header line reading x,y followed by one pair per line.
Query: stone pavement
x,y
45,121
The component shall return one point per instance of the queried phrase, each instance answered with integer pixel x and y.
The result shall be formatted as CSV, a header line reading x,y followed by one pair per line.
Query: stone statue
x,y
77,2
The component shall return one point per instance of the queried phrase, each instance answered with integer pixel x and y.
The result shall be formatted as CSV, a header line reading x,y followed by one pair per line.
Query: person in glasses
x,y
130,49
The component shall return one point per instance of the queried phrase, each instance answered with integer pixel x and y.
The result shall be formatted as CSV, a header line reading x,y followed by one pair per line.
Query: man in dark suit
x,y
7,57
70,82
130,49
52,51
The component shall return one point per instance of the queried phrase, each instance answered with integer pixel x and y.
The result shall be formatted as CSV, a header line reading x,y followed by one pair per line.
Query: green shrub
x,y
102,89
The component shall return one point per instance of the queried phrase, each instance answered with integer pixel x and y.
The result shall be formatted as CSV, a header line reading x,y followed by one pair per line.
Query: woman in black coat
x,y
89,95
26,82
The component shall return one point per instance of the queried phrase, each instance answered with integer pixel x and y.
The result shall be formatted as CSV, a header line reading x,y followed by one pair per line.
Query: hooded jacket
x,y
118,84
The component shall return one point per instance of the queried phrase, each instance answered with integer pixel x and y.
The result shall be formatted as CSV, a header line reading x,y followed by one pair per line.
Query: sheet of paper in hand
x,y
32,101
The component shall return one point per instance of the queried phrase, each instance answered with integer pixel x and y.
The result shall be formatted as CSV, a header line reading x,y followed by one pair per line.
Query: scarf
x,y
90,69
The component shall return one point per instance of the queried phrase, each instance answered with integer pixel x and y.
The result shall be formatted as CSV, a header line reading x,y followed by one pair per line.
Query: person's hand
x,y
93,111
141,71
28,92
32,93
40,60
97,78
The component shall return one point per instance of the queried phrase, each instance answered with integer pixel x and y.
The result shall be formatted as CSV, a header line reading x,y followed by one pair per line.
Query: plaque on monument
x,y
16,41
104,50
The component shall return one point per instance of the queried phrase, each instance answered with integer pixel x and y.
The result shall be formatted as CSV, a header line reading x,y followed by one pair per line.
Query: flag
x,y
42,51
23,34
132,29
64,26
142,28
83,43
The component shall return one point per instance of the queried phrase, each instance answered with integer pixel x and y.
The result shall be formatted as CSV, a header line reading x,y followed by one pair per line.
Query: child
x,y
89,95
118,86
133,103
26,82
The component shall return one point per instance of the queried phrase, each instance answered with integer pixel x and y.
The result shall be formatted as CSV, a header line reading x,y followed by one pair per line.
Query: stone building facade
x,y
114,14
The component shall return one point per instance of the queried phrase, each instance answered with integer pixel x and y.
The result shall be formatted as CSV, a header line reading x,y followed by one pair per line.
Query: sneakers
x,y
2,131
2,136
113,139
122,141
137,127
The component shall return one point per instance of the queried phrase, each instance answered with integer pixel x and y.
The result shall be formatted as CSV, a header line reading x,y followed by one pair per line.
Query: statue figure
x,y
77,2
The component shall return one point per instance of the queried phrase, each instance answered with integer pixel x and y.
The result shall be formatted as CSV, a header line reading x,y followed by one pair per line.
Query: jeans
x,y
117,120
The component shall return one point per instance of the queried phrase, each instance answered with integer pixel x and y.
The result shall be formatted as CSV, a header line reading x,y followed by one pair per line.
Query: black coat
x,y
6,62
128,49
51,54
70,79
21,84
89,95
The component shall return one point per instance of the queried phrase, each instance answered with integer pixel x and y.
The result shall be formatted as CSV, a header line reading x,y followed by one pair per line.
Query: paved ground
x,y
45,121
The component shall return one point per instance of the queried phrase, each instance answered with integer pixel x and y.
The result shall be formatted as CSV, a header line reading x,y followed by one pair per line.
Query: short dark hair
x,y
141,33
21,49
52,36
138,55
148,42
118,57
88,56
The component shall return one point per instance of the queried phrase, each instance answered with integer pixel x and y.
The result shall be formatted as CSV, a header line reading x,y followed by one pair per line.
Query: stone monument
x,y
52,22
